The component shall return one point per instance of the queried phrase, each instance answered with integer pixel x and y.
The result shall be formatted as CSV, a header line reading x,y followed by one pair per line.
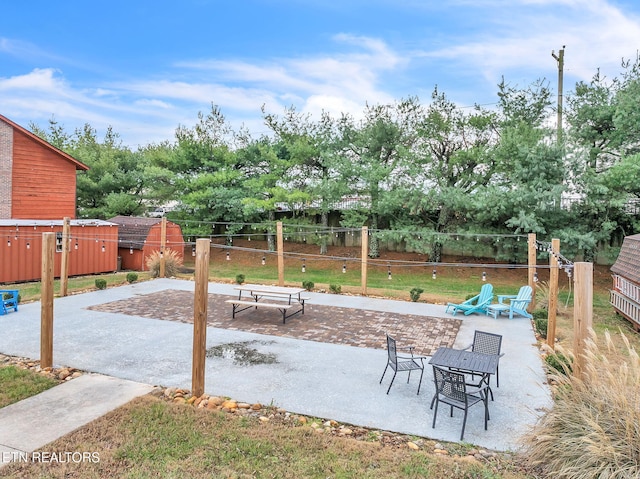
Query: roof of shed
x,y
78,164
628,262
133,230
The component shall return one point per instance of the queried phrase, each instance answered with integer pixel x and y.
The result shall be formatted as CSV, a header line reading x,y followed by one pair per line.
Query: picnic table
x,y
281,298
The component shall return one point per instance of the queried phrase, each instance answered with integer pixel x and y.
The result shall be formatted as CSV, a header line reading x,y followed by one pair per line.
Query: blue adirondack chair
x,y
512,304
477,304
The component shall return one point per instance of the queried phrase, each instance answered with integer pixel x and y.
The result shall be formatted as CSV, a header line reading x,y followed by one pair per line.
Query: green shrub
x,y
101,283
592,429
308,285
132,277
335,288
540,314
541,326
558,363
172,263
415,293
239,278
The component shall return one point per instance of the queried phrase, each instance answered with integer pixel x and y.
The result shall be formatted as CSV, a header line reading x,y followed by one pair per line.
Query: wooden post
x,y
46,300
163,244
553,293
200,303
364,240
280,249
532,269
64,260
582,313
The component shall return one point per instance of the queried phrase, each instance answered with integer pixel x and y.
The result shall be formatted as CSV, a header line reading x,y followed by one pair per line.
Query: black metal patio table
x,y
474,363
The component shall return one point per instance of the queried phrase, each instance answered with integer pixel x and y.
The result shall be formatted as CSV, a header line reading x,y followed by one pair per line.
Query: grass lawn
x,y
151,437
17,384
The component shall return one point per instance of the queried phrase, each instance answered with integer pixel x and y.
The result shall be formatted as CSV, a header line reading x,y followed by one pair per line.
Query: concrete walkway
x,y
318,379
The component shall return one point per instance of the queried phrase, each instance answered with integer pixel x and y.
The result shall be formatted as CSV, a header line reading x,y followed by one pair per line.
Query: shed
x,y
625,295
139,237
37,180
93,248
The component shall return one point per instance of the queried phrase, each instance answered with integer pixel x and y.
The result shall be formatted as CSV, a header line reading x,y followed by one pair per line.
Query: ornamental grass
x,y
172,263
593,429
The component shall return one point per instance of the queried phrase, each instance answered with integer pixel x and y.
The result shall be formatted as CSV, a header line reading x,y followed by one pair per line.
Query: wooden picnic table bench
x,y
285,299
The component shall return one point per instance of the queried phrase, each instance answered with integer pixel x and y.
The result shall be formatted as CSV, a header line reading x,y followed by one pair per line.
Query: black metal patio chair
x,y
451,389
488,343
402,363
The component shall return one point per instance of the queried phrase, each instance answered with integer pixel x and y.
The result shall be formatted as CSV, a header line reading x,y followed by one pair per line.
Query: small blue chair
x,y
8,300
515,304
477,304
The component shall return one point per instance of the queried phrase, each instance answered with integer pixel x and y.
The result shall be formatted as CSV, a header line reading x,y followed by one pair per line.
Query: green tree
x,y
312,172
374,158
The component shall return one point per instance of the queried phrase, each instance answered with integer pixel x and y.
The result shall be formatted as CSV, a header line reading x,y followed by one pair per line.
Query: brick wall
x,y
6,169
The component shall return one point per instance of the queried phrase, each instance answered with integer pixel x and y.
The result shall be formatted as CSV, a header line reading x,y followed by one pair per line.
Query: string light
x,y
433,275
535,276
228,256
9,242
193,251
344,267
28,245
264,260
484,276
131,250
389,271
103,247
304,266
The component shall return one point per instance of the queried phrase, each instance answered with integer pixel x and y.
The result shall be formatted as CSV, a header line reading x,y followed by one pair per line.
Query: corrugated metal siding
x,y
43,183
21,263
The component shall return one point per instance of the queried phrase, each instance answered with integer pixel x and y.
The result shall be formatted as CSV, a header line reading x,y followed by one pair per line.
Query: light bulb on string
x,y
130,249
228,256
76,245
264,260
28,245
344,267
9,242
304,266
193,251
433,275
104,249
535,276
484,276
389,271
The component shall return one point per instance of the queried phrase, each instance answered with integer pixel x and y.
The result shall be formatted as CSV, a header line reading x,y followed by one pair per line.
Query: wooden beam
x,y
533,254
553,293
364,240
46,300
163,245
280,248
200,304
64,260
582,313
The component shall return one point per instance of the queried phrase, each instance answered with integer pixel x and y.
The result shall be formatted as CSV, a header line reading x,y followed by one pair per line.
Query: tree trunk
x,y
374,246
324,219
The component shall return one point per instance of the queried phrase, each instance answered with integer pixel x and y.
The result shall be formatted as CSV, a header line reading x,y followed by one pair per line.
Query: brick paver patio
x,y
348,326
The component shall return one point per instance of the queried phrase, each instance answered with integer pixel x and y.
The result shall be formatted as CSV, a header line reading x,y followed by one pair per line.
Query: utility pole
x,y
560,59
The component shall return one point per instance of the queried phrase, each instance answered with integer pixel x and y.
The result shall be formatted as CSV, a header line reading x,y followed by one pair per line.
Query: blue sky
x,y
145,67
